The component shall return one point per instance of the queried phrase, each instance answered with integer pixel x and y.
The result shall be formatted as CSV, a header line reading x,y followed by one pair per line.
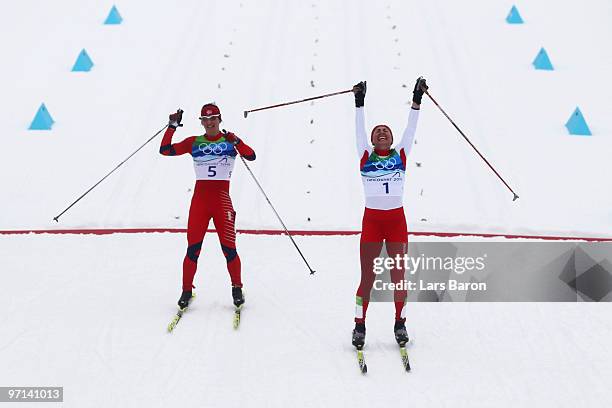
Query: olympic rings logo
x,y
214,148
386,164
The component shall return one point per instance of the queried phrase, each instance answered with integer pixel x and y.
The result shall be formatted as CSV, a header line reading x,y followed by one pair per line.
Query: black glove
x,y
175,119
419,89
359,90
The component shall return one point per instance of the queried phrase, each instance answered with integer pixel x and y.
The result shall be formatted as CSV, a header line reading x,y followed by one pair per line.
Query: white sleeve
x,y
360,132
409,133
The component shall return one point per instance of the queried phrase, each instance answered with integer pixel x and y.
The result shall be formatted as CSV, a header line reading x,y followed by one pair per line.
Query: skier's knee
x,y
193,251
230,253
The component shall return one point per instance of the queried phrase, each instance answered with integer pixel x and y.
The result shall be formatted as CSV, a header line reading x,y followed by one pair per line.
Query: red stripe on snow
x,y
106,231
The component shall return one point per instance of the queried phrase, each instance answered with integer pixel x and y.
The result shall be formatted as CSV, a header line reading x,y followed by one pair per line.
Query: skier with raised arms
x,y
214,154
383,171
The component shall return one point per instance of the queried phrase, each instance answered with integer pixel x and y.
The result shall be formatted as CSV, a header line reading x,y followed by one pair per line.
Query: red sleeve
x,y
245,150
168,148
364,159
403,156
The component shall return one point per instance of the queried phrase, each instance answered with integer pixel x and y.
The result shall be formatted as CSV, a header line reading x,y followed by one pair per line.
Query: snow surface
x,y
93,320
254,53
89,312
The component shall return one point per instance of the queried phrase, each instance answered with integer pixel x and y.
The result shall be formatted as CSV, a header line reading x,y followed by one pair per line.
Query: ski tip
x,y
236,322
363,367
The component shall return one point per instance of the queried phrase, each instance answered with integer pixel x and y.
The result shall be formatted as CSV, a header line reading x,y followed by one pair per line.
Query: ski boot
x,y
401,335
359,333
237,295
185,298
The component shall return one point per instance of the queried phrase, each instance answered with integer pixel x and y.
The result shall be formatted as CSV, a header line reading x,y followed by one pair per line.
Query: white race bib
x,y
213,160
383,176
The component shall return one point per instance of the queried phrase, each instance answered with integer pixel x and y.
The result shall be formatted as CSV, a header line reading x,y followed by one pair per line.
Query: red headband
x,y
373,129
209,110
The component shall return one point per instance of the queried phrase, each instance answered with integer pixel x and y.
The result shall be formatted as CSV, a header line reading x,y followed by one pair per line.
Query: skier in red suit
x,y
383,171
214,154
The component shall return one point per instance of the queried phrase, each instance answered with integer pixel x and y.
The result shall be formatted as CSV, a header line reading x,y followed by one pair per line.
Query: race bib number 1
x,y
392,185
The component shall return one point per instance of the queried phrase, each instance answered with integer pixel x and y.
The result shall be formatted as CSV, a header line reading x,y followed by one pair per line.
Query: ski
x,y
237,311
404,355
363,367
178,316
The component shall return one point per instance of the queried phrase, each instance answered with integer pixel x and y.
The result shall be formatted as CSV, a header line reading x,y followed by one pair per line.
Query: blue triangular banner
x,y
576,125
42,119
542,61
113,17
514,17
83,62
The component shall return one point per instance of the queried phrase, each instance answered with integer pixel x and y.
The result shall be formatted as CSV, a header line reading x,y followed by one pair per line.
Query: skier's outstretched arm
x,y
167,148
413,117
360,132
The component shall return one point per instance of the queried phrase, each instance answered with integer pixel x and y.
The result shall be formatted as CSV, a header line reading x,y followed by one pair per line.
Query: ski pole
x,y
277,216
246,112
471,144
56,218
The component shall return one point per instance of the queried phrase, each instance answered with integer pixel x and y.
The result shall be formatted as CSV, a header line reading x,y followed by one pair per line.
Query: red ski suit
x,y
384,223
213,161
